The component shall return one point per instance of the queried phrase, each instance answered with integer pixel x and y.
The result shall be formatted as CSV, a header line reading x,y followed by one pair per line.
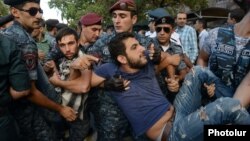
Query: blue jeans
x,y
191,116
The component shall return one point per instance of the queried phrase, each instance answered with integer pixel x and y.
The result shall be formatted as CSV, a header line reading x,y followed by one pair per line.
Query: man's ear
x,y
122,59
134,19
14,12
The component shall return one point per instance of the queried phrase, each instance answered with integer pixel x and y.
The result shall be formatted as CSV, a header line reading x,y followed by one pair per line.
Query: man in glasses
x,y
27,15
164,26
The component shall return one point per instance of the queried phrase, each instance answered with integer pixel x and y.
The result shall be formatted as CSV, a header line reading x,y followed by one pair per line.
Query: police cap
x,y
91,19
157,13
127,5
165,20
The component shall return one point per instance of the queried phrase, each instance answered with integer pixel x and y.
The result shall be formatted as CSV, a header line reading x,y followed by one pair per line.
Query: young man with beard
x,y
68,43
111,123
27,15
146,108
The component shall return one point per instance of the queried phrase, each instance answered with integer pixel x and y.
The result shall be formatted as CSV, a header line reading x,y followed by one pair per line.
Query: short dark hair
x,y
237,14
116,45
203,22
64,32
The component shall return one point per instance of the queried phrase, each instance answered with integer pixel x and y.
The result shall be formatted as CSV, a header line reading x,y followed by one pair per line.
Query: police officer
x,y
27,15
164,25
227,51
13,75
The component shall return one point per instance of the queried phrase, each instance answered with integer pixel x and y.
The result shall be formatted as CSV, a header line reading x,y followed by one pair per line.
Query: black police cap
x,y
158,13
17,2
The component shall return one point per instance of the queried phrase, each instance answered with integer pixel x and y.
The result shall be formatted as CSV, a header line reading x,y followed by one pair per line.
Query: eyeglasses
x,y
166,29
32,11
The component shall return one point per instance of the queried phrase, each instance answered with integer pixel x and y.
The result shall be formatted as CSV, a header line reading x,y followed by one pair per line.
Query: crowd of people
x,y
64,84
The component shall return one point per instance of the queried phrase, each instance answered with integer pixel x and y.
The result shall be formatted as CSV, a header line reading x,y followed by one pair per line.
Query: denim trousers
x,y
191,116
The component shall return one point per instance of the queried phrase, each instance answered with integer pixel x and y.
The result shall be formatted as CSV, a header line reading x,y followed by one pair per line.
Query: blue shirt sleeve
x,y
106,70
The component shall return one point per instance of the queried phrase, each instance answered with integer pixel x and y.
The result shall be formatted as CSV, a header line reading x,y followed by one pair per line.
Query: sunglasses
x,y
32,11
166,29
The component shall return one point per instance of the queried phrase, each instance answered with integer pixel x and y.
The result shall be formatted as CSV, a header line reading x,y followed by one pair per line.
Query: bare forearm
x,y
79,85
187,61
38,98
171,71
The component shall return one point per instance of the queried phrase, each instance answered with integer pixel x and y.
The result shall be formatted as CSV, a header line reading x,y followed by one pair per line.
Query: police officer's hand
x,y
116,83
210,89
173,84
84,62
154,53
68,113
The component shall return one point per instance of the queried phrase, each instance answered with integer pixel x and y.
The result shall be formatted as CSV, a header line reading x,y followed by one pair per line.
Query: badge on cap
x,y
123,5
163,20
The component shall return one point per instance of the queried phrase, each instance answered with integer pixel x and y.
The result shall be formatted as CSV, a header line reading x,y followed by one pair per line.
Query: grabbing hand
x,y
173,84
68,113
154,54
116,83
210,89
84,62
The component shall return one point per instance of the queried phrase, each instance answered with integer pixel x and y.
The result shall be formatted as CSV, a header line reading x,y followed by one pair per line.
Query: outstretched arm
x,y
79,81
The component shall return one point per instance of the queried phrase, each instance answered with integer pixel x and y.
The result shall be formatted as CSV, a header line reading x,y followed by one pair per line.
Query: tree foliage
x,y
72,10
3,9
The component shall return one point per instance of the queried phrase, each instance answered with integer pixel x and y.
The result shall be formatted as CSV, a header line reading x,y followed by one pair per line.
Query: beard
x,y
138,64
